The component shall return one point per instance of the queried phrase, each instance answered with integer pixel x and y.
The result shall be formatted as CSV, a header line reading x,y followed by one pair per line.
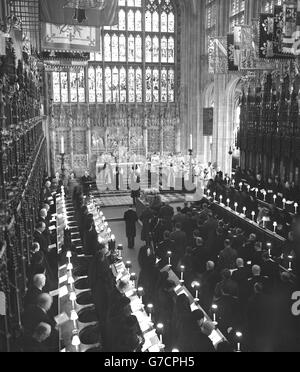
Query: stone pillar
x,y
145,137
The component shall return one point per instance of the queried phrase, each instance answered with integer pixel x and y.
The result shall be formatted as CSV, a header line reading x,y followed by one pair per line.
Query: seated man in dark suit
x,y
39,237
36,289
36,342
36,314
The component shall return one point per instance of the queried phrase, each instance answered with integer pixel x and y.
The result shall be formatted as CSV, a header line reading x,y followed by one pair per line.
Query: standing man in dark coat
x,y
146,218
86,182
131,219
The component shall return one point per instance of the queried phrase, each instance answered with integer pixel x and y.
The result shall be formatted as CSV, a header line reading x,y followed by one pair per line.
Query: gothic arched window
x,y
268,5
138,57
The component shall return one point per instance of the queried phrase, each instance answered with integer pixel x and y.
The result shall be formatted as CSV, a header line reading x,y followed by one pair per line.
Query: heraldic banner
x,y
70,38
97,13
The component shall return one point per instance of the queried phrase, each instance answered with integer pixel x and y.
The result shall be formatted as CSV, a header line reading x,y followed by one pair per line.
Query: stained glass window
x,y
237,13
136,62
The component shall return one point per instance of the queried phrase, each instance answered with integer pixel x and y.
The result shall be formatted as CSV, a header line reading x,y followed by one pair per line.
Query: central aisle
x,y
114,216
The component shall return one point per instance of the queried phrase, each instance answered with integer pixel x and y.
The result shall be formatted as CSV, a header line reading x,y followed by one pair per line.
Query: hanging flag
x,y
289,26
221,59
217,55
278,31
208,121
70,38
296,45
231,52
96,13
266,24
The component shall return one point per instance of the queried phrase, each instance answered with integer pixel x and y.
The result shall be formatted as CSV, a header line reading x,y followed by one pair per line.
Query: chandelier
x,y
85,4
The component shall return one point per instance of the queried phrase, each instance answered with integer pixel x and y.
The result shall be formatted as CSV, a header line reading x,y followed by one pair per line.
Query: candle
x,y
256,192
284,203
214,194
128,266
241,186
208,193
228,203
182,269
269,246
235,206
248,187
265,194
73,298
62,145
160,329
233,182
74,317
76,340
191,142
169,255
253,216
150,310
221,199
141,293
275,224
214,310
196,285
239,336
296,205
275,198
244,210
290,263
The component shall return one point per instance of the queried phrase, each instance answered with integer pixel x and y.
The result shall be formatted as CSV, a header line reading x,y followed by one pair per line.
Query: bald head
x,y
256,270
210,266
208,328
43,213
239,263
39,281
42,332
44,301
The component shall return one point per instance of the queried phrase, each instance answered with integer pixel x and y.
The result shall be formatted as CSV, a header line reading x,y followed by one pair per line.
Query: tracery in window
x,y
137,60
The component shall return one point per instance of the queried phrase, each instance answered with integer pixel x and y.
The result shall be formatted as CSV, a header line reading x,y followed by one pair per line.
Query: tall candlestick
x,y
290,263
182,268
239,336
62,145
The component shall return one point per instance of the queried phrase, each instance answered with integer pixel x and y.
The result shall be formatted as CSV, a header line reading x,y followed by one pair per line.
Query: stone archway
x,y
233,94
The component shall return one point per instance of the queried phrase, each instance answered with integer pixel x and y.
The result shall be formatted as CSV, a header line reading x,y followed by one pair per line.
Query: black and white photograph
x,y
149,179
